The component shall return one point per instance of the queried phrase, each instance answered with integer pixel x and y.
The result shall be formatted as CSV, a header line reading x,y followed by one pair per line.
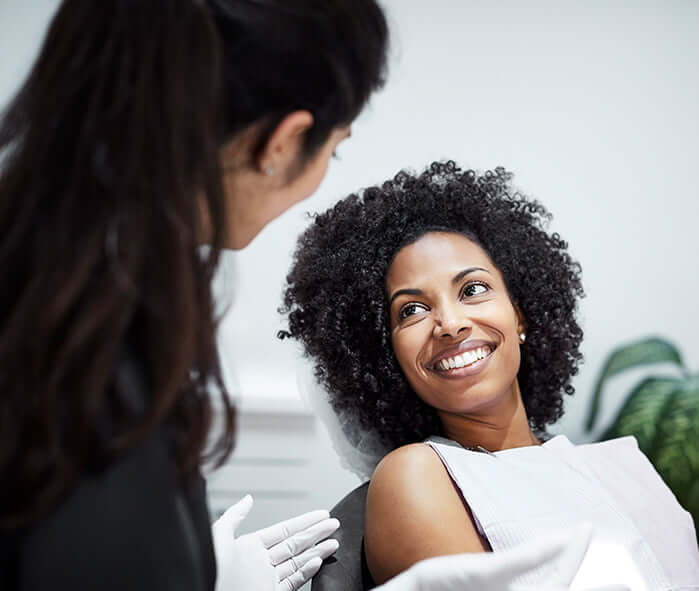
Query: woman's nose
x,y
451,321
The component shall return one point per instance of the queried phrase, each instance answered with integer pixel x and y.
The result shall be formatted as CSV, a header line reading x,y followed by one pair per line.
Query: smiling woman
x,y
441,316
344,273
456,334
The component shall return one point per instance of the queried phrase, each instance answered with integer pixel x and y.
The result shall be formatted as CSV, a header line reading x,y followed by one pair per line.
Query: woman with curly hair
x,y
441,317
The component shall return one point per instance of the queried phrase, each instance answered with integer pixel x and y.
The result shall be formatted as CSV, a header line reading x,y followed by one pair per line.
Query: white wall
x,y
22,26
593,104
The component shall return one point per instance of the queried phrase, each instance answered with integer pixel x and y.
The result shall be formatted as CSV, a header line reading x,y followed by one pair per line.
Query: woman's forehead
x,y
433,255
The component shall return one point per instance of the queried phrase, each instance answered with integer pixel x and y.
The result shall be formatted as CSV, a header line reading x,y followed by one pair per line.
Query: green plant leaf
x,y
675,449
643,352
692,504
642,409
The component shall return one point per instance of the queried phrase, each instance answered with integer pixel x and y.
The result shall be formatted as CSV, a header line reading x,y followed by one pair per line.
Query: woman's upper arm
x,y
414,512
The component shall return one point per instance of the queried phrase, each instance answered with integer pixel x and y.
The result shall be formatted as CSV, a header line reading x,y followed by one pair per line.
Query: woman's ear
x,y
282,151
521,324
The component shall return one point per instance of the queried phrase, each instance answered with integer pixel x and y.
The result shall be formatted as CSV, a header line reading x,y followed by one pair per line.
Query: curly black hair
x,y
337,307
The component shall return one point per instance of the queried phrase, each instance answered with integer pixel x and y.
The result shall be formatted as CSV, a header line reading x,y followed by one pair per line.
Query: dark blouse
x,y
131,527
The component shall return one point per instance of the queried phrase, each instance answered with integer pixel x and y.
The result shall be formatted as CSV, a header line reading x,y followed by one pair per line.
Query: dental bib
x,y
642,537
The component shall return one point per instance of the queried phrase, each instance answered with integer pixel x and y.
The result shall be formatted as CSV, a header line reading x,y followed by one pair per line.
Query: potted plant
x,y
661,411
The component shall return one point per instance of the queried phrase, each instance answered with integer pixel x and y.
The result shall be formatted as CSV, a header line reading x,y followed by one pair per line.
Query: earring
x,y
522,338
269,171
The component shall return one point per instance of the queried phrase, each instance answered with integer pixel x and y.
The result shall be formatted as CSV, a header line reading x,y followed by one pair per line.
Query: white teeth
x,y
466,358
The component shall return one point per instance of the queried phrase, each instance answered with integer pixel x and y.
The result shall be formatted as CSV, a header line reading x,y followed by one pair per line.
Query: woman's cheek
x,y
404,347
399,349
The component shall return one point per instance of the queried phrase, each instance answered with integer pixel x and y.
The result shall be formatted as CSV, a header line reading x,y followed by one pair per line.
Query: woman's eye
x,y
474,289
410,310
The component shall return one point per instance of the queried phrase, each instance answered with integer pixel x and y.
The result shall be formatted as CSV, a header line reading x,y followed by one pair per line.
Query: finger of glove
x,y
279,532
303,540
495,570
301,576
564,552
407,581
322,551
566,566
546,587
234,515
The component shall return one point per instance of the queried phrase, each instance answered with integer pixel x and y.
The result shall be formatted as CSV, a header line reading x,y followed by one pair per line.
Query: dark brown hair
x,y
107,153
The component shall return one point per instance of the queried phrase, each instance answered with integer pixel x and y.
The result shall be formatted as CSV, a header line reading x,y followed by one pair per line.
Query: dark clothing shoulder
x,y
132,526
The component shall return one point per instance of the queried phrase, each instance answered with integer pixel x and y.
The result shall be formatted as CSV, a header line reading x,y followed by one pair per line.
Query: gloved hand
x,y
496,571
281,557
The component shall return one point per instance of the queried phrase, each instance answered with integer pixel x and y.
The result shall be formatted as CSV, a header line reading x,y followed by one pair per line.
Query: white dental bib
x,y
643,538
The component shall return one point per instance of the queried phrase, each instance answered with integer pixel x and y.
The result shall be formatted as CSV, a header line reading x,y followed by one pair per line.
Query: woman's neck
x,y
503,426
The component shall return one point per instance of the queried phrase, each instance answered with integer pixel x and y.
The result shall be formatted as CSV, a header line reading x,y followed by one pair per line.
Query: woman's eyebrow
x,y
461,274
418,292
400,292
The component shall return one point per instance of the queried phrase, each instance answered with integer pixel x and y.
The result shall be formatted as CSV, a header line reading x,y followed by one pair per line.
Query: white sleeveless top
x,y
642,537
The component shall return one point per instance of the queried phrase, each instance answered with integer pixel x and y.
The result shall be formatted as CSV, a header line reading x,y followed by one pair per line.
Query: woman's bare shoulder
x,y
406,463
414,511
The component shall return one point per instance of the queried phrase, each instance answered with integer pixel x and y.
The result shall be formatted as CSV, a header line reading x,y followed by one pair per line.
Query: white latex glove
x,y
281,557
496,571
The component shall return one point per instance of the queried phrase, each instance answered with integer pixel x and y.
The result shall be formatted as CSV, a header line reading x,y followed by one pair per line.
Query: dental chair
x,y
347,569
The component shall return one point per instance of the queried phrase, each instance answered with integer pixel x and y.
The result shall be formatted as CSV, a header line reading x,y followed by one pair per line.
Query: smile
x,y
465,359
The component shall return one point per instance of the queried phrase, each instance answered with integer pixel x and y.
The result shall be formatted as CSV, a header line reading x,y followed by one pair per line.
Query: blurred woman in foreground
x,y
143,131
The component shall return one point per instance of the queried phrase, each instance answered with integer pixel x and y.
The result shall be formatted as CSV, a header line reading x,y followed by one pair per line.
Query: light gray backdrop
x,y
593,104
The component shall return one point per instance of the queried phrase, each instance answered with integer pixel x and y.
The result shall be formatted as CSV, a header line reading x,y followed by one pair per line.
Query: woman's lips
x,y
465,351
468,370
